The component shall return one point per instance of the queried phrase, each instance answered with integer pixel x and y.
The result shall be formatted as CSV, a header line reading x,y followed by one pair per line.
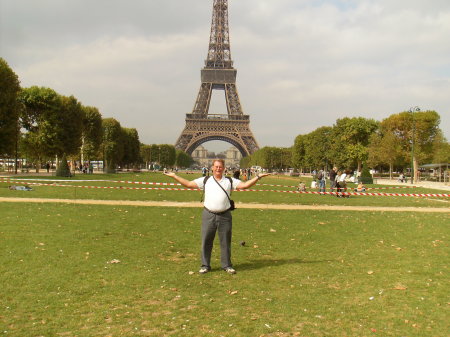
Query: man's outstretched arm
x,y
249,183
182,181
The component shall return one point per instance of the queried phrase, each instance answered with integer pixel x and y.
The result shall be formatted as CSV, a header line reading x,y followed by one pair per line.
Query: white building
x,y
203,157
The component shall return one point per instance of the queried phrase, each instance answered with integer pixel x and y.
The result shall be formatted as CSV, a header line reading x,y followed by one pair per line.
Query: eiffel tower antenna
x,y
218,74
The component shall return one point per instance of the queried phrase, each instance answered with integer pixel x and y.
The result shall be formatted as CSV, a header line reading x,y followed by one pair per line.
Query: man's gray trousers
x,y
222,223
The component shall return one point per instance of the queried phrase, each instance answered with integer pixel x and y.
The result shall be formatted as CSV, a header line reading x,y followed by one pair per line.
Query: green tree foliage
x,y
317,148
298,152
415,133
69,125
384,149
146,154
53,123
272,158
183,160
441,149
41,106
350,141
167,155
9,109
91,132
366,177
245,162
131,147
112,145
155,151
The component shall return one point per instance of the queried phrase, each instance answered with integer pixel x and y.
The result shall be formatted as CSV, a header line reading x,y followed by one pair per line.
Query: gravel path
x,y
239,205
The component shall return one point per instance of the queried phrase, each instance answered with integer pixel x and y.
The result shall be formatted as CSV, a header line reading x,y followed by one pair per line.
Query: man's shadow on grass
x,y
266,263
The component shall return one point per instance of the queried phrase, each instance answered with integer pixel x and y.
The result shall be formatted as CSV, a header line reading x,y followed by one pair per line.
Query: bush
x,y
366,177
63,169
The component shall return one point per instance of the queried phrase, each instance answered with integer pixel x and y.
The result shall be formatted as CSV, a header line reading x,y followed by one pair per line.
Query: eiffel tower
x,y
218,74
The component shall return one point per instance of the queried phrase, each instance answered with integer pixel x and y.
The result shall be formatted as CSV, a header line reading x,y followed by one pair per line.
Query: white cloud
x,y
301,63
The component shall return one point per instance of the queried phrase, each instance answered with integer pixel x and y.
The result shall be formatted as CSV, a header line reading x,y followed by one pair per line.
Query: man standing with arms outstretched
x,y
216,216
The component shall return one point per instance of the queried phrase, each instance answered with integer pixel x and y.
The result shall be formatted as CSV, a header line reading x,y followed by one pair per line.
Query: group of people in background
x,y
85,168
338,181
242,174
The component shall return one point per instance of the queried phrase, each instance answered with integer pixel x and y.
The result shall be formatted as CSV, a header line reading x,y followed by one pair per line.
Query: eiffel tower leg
x,y
232,98
203,99
201,109
235,108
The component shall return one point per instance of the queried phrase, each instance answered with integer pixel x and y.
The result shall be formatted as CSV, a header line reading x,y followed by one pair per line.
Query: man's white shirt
x,y
215,198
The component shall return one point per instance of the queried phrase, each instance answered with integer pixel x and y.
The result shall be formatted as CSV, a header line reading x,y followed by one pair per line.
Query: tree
x,y
441,152
68,122
415,132
245,162
131,147
183,159
298,152
53,123
91,133
351,139
383,149
9,109
317,148
167,155
112,145
441,149
63,169
264,157
41,105
146,154
155,151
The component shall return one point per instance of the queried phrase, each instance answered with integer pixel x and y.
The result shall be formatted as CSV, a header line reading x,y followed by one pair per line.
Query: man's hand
x,y
249,183
169,174
182,181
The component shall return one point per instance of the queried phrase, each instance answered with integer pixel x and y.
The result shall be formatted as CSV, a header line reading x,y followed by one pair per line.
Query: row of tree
x,y
39,124
395,142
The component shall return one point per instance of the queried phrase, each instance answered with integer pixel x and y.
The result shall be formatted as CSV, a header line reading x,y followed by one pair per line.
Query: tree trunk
x,y
390,170
416,170
81,150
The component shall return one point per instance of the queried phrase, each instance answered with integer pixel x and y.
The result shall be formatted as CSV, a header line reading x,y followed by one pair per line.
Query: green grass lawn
x,y
91,270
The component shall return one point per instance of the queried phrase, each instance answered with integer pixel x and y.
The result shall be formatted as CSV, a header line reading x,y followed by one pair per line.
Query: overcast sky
x,y
301,64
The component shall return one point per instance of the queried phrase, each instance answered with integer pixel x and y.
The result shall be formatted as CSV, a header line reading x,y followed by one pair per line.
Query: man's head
x,y
218,167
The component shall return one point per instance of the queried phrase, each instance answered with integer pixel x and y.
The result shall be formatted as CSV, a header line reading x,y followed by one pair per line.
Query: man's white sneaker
x,y
230,270
203,270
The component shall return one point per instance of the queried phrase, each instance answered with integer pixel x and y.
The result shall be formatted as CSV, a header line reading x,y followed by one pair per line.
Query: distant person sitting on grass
x,y
301,187
360,188
216,216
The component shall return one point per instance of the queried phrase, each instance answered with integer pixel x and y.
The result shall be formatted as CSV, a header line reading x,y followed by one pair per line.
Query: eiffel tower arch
x,y
218,74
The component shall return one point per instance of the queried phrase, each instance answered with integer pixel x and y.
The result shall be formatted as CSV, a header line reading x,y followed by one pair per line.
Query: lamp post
x,y
412,111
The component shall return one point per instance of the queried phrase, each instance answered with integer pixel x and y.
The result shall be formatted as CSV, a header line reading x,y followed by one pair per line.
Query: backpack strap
x,y
231,182
204,183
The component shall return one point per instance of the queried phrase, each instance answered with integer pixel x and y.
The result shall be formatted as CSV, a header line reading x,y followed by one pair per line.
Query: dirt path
x,y
239,205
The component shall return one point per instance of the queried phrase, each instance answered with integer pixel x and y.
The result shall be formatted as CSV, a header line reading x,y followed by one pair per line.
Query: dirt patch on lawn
x,y
239,205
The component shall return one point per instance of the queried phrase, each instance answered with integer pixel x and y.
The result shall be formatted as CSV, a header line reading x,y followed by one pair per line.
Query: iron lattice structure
x,y
218,74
